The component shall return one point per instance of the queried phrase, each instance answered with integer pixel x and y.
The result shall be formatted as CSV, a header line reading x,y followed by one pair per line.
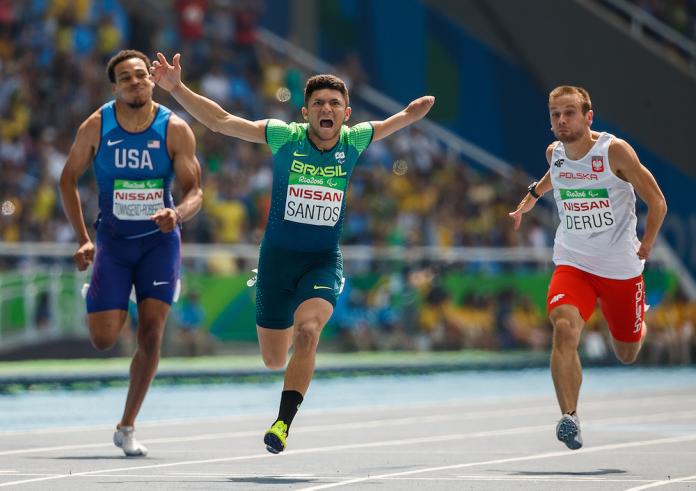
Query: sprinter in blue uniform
x,y
300,265
137,148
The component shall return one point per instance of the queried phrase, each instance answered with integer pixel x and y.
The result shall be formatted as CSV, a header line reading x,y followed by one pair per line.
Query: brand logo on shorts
x,y
556,298
159,283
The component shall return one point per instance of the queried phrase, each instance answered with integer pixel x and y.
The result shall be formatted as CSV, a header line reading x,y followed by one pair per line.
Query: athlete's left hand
x,y
644,250
420,106
166,219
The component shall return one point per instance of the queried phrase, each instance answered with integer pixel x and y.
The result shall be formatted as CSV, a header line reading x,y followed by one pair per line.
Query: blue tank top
x,y
134,174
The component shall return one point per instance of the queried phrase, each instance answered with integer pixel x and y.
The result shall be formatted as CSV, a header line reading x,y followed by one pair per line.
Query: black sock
x,y
290,402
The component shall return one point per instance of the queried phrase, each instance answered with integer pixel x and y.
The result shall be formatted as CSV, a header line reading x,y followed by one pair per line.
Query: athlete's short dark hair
x,y
123,55
324,81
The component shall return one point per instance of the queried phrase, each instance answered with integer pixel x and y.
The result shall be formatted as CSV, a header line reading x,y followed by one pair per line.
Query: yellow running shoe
x,y
275,437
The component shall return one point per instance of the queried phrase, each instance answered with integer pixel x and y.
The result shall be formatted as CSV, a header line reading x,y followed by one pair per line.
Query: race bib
x,y
314,200
587,211
137,200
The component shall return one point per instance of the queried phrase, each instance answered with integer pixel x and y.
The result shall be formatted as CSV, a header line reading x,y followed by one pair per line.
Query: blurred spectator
x,y
409,190
191,339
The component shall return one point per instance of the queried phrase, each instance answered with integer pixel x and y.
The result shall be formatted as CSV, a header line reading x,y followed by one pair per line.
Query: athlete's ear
x,y
349,111
590,117
305,113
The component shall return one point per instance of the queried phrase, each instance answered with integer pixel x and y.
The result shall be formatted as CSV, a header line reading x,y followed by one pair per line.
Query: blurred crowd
x,y
415,309
408,190
678,14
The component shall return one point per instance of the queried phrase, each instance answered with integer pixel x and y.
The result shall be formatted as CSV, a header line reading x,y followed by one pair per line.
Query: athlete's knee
x,y
307,334
150,339
103,333
102,340
626,354
566,334
274,361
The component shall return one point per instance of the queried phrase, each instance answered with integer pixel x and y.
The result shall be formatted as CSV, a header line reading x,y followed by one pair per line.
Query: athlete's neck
x,y
322,145
578,149
135,119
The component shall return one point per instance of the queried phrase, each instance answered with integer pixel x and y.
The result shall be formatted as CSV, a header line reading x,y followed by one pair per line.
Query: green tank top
x,y
308,198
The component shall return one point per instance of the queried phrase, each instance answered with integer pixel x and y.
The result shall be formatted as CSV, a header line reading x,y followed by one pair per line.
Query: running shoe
x,y
125,440
275,437
568,431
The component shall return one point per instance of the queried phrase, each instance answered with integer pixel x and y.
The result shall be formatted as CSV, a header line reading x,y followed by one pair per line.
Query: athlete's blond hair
x,y
583,95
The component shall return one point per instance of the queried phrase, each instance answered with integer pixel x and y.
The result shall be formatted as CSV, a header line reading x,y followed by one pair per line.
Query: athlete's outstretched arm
x,y
79,159
181,145
203,109
625,164
413,112
543,186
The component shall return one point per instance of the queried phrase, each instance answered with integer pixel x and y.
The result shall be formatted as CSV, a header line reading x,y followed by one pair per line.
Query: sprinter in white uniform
x,y
596,251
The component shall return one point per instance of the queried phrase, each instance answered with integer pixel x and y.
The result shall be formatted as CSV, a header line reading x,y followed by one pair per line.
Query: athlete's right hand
x,y
525,205
165,75
84,255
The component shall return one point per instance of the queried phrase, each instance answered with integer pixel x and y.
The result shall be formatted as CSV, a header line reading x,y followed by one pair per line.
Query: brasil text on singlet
x,y
309,185
597,209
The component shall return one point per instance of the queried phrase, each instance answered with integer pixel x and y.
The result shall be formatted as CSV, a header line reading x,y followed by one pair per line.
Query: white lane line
x,y
629,400
657,484
409,441
575,479
379,423
547,455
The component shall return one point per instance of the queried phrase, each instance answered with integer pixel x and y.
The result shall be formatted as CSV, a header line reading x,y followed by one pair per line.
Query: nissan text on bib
x,y
587,211
314,200
137,200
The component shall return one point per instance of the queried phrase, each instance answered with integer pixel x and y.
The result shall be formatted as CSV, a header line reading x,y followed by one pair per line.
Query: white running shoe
x,y
125,440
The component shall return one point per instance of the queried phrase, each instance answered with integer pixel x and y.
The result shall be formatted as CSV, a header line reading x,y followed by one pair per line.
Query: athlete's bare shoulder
x,y
178,127
180,136
90,129
549,151
622,157
621,151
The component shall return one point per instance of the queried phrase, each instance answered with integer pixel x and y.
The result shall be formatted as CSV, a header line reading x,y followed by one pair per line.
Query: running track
x,y
633,441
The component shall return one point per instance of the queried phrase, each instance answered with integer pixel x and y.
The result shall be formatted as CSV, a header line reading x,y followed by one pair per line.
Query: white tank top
x,y
597,209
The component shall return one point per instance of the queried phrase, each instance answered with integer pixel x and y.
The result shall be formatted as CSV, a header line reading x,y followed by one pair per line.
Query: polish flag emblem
x,y
598,163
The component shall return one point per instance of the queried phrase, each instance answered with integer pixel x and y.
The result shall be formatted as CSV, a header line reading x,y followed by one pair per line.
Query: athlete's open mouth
x,y
326,123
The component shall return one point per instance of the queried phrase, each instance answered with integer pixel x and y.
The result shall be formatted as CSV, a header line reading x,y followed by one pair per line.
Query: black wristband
x,y
532,190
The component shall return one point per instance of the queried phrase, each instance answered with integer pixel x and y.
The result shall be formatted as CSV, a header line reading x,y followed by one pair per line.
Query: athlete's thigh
x,y
571,286
315,311
275,288
157,274
112,277
623,305
323,279
274,343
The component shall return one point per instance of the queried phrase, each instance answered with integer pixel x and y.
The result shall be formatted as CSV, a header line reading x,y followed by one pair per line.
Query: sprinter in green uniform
x,y
300,268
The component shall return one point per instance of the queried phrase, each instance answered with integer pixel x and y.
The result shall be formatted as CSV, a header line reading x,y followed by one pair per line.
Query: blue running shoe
x,y
568,431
